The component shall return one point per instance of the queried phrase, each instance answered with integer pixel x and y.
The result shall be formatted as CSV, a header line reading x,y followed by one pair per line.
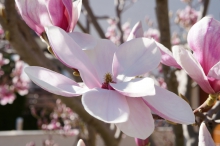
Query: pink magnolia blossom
x,y
20,80
112,91
203,65
187,17
6,95
42,13
3,61
152,33
205,138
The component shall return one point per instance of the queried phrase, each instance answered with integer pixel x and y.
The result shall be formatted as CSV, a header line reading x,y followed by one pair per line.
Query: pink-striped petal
x,y
204,39
136,32
192,67
70,54
137,87
140,123
58,12
106,105
167,56
135,57
34,13
85,41
205,138
101,57
170,106
54,82
68,13
77,5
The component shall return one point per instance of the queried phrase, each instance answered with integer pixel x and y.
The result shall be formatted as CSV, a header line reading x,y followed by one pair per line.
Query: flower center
x,y
107,79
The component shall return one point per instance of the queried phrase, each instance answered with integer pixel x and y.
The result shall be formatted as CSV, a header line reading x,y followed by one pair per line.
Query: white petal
x,y
136,57
205,139
170,106
136,32
85,41
106,105
102,57
192,67
167,56
54,82
140,123
70,54
214,72
137,87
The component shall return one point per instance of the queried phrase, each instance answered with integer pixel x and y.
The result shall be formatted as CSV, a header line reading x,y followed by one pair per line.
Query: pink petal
x,y
70,54
135,57
85,41
137,87
101,57
167,56
57,10
106,105
27,14
204,40
214,77
136,32
214,72
140,123
170,106
75,13
205,138
68,13
54,82
192,67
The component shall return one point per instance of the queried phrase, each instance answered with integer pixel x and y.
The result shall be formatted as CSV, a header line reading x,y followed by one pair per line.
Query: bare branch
x,y
93,18
119,5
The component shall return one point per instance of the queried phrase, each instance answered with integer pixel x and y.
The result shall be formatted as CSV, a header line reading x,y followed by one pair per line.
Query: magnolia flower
x,y
112,90
3,61
6,95
203,65
20,79
187,17
205,138
42,13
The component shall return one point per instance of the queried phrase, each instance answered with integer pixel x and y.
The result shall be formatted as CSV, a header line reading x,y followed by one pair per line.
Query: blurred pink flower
x,y
152,33
175,40
203,65
42,13
205,139
3,61
109,79
6,95
20,80
187,17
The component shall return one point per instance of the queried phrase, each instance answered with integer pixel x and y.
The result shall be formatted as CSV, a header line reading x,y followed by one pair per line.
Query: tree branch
x,y
169,75
93,18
